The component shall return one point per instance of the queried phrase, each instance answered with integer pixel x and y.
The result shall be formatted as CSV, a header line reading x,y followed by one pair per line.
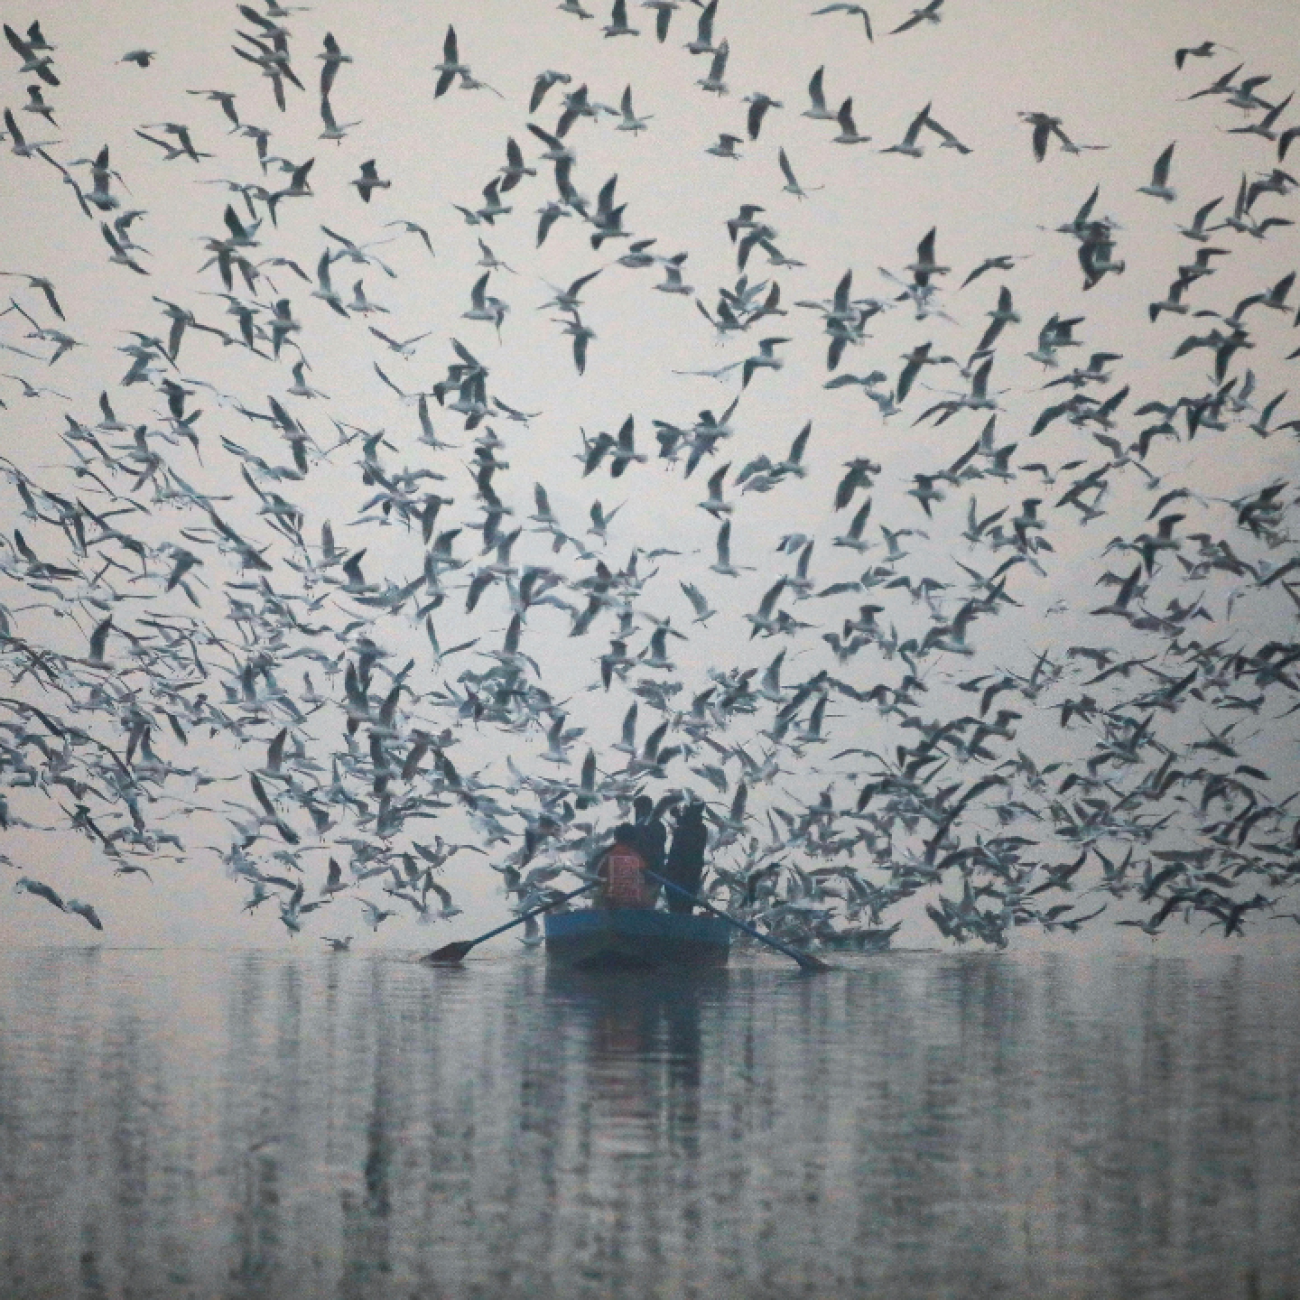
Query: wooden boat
x,y
603,938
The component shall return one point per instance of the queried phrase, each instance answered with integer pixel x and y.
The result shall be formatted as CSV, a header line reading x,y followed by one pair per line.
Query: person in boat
x,y
685,864
639,846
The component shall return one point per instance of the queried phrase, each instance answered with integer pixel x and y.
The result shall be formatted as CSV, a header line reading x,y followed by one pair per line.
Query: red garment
x,y
625,885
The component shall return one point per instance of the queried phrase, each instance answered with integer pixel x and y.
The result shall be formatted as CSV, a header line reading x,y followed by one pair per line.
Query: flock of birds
x,y
196,643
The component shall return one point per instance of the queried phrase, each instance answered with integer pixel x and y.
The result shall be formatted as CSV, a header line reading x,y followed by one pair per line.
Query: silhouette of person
x,y
685,864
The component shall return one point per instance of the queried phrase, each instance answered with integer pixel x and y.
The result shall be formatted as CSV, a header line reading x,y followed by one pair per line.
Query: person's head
x,y
642,807
692,814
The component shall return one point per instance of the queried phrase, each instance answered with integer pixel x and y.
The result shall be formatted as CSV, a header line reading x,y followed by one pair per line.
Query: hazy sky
x,y
1105,70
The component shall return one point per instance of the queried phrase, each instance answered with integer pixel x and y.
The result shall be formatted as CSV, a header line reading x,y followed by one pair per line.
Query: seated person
x,y
685,864
638,845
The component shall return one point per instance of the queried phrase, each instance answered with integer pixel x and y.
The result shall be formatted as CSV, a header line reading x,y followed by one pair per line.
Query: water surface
x,y
264,1125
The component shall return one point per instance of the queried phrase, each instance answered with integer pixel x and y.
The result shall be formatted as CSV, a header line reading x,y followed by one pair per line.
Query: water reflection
x,y
261,1125
638,1039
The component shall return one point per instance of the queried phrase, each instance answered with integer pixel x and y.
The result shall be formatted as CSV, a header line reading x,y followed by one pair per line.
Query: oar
x,y
805,960
452,953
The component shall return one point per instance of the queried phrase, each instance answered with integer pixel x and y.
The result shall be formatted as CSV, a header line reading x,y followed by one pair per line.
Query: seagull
x,y
763,620
816,94
85,911
929,14
403,347
847,9
34,60
19,144
946,138
185,149
608,219
703,42
638,255
630,121
1001,262
567,299
300,387
1205,50
25,884
491,209
581,335
450,67
326,291
672,281
618,24
723,564
766,359
542,83
713,82
925,266
35,390
491,260
1045,126
664,10
1002,315
848,131
792,185
714,503
412,228
36,104
515,170
369,181
1197,231
908,144
375,916
44,285
355,252
1172,302
225,98
332,60
1159,184
120,255
334,130
623,450
699,604
759,103
485,307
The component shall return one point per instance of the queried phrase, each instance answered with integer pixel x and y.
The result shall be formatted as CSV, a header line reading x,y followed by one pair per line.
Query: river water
x,y
202,1124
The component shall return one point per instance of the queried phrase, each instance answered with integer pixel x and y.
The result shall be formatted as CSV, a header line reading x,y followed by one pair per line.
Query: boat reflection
x,y
639,1036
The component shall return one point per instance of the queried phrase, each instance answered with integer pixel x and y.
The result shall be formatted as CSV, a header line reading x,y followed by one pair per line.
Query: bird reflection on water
x,y
261,1126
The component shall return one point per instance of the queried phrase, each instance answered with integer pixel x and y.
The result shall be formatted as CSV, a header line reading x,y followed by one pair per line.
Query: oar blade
x,y
808,962
450,954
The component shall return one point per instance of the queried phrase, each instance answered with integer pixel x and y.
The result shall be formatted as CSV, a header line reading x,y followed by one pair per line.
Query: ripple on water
x,y
267,1125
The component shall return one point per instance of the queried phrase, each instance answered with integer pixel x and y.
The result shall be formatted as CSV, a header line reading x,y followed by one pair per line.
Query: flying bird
x,y
860,10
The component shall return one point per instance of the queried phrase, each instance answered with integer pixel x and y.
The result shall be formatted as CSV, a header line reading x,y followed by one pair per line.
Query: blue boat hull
x,y
635,938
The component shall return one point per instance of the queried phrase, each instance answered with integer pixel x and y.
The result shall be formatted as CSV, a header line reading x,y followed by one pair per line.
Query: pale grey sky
x,y
1106,70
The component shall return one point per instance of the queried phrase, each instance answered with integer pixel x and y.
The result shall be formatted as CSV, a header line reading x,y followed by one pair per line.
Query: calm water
x,y
264,1125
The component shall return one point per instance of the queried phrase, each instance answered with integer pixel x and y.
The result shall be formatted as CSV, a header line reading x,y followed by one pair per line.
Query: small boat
x,y
633,937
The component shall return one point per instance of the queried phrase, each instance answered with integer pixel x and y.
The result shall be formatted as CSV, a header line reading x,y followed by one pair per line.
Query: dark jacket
x,y
685,864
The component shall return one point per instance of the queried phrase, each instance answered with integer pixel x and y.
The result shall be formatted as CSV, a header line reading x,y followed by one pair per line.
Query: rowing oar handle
x,y
451,953
805,960
537,911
